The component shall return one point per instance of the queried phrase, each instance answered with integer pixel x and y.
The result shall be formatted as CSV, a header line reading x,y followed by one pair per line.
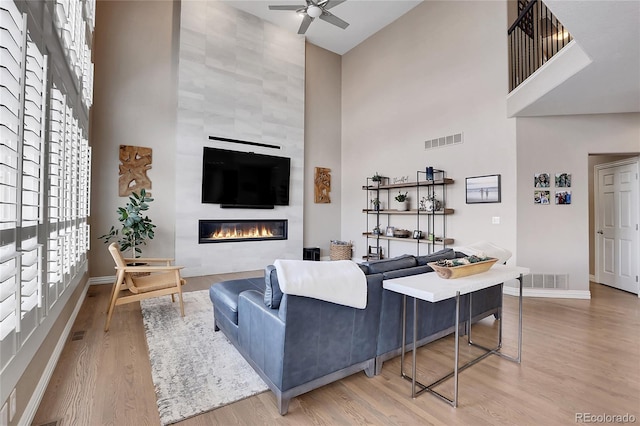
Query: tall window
x,y
44,173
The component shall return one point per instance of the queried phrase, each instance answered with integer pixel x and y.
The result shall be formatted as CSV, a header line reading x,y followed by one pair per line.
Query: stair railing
x,y
534,38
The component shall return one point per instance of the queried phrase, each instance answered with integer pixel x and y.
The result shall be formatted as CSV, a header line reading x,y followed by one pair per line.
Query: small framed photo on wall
x,y
541,180
563,197
563,180
541,197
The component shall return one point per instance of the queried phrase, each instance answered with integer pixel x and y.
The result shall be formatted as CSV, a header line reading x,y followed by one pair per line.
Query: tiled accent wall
x,y
239,78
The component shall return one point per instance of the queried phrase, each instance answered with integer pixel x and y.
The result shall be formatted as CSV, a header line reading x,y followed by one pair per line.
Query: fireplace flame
x,y
234,232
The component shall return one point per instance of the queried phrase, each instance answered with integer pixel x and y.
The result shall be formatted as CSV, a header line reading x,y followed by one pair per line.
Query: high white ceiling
x,y
365,18
607,31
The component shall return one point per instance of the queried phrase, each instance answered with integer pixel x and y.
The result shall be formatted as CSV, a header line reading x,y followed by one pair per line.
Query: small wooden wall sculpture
x,y
134,163
322,185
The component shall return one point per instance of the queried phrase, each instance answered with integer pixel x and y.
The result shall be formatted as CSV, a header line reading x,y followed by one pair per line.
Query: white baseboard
x,y
102,280
549,293
36,397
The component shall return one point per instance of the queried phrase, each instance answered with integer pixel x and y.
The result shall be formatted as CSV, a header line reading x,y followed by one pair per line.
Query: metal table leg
x,y
456,368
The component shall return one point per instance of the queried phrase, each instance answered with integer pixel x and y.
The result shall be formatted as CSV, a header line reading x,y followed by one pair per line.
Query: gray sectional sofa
x,y
297,344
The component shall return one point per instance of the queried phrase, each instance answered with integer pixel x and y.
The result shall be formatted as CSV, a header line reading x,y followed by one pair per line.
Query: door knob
x,y
600,232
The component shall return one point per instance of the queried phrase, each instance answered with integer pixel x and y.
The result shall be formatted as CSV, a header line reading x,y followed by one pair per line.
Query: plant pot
x,y
403,206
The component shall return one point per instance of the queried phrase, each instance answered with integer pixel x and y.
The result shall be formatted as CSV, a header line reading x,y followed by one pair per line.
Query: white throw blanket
x,y
338,281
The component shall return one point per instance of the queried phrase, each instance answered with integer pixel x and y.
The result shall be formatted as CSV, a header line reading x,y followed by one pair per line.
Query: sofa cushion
x,y
447,253
225,295
384,265
272,292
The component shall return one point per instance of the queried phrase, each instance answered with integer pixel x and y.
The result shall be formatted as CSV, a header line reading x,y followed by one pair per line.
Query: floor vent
x,y
444,141
77,335
553,281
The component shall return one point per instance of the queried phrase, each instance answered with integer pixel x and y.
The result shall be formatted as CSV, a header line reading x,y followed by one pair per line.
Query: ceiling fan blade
x,y
333,19
285,7
332,3
306,21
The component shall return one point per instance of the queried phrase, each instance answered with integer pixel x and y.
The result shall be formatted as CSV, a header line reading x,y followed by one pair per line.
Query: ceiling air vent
x,y
443,141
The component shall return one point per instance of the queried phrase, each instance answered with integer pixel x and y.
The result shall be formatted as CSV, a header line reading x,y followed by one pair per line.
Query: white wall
x,y
239,78
553,238
323,85
134,104
438,70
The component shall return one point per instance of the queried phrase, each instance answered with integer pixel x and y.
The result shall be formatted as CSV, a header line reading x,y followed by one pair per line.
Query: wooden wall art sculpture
x,y
322,185
134,163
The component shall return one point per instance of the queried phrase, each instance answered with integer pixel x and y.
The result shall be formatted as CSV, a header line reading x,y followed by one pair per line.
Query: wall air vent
x,y
444,141
558,281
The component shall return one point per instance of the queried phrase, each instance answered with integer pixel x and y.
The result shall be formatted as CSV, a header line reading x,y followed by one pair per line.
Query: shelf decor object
x,y
451,272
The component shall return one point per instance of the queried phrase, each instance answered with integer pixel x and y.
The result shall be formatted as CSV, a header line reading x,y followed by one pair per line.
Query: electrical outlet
x,y
4,415
495,220
12,405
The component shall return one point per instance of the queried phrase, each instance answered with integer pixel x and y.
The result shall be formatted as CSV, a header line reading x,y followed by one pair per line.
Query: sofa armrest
x,y
261,334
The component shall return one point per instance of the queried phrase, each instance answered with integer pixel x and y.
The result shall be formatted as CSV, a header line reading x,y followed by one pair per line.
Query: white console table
x,y
431,288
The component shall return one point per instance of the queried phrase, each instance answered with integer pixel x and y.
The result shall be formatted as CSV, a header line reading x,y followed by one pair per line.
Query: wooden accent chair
x,y
135,283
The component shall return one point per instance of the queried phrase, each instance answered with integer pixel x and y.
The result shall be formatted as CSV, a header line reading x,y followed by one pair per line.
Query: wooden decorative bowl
x,y
449,272
401,233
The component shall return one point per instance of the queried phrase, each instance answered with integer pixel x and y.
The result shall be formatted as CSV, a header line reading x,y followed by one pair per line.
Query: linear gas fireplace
x,y
224,231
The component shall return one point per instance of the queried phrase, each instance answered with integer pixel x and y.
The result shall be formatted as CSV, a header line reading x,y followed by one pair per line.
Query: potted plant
x,y
403,199
376,203
376,178
136,228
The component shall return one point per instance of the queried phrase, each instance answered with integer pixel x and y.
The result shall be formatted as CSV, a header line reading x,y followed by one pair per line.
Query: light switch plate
x,y
495,220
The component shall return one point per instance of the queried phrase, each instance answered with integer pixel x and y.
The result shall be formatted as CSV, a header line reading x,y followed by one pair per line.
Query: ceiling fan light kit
x,y
312,10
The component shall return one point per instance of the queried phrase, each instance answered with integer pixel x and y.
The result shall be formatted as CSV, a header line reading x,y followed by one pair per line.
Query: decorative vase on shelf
x,y
404,205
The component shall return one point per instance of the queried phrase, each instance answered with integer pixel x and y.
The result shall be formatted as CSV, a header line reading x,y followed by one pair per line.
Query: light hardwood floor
x,y
579,356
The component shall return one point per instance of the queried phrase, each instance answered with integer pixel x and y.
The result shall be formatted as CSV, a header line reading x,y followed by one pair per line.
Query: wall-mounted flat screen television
x,y
244,179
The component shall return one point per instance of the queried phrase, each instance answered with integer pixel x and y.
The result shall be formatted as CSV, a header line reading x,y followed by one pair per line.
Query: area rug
x,y
194,369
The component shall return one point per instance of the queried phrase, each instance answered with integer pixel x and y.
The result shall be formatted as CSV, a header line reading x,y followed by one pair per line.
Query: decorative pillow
x,y
447,253
272,292
384,265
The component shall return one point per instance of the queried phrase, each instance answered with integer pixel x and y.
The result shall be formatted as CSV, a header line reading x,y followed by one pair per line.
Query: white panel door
x,y
617,226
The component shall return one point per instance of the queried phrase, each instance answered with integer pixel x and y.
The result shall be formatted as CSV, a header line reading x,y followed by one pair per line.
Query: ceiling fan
x,y
315,9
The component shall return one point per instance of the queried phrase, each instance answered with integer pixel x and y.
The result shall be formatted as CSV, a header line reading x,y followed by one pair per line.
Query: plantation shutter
x,y
32,189
12,46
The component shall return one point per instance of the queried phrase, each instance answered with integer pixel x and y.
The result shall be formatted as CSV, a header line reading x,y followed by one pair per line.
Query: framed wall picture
x,y
389,231
417,234
563,180
563,197
541,180
541,197
483,189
